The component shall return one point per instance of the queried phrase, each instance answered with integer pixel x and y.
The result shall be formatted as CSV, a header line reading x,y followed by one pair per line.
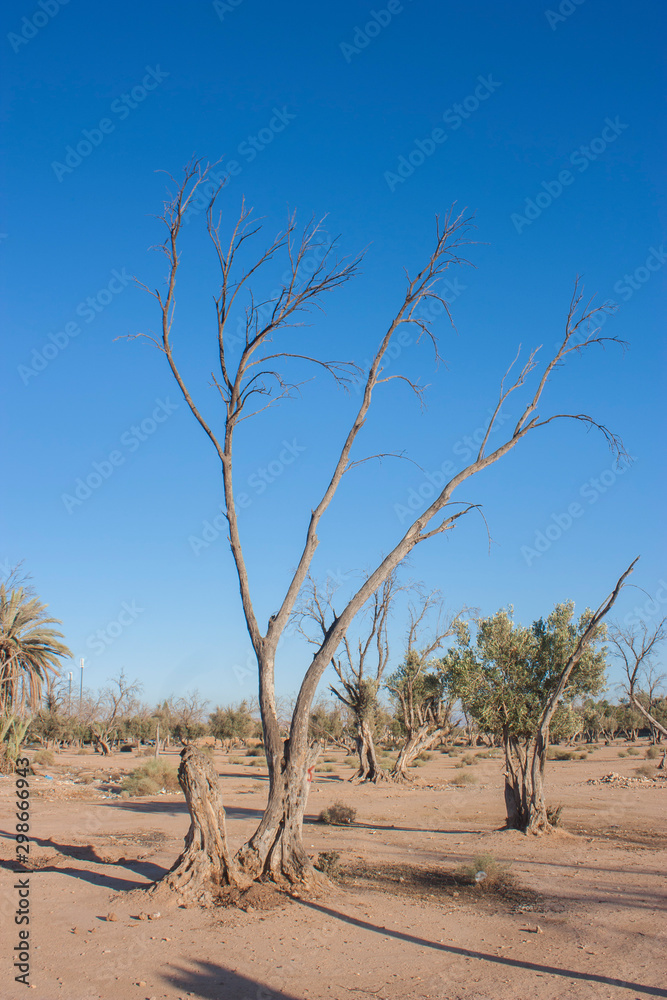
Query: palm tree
x,y
29,649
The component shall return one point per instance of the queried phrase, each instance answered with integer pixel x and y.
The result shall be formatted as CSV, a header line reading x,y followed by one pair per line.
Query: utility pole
x,y
81,663
69,700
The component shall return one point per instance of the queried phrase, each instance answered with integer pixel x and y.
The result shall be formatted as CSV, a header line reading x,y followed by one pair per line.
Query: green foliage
x,y
232,722
30,649
151,778
338,814
506,676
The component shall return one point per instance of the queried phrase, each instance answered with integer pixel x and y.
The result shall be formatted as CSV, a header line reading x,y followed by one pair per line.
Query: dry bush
x,y
82,752
44,757
151,778
338,814
633,751
324,769
256,752
235,760
652,753
554,815
329,863
554,754
464,779
622,753
645,771
484,871
424,755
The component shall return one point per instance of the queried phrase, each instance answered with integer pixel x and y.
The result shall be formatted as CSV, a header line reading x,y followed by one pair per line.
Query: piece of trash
x,y
480,876
49,776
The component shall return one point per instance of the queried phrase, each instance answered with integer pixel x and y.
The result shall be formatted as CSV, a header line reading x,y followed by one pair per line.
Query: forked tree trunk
x,y
420,739
525,803
205,862
369,769
275,851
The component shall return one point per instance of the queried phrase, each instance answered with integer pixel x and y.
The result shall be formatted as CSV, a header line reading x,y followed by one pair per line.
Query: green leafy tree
x,y
513,680
233,722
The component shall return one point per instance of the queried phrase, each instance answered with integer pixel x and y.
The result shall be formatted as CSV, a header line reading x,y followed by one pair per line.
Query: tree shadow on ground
x,y
515,963
213,982
177,808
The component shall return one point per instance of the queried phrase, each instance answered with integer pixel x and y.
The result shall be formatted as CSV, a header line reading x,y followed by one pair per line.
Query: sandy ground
x,y
580,915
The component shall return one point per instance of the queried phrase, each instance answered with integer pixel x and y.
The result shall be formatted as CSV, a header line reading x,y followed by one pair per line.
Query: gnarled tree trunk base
x,y
205,865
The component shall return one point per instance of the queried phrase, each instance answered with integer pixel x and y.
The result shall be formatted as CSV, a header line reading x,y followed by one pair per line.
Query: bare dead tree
x,y
359,667
635,646
256,381
116,700
425,708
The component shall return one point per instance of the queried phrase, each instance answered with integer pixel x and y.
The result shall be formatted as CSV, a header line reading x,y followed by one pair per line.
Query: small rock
x,y
142,916
111,916
142,982
75,930
154,916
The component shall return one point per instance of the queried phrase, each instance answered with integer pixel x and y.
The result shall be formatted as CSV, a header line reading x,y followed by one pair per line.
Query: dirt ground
x,y
578,914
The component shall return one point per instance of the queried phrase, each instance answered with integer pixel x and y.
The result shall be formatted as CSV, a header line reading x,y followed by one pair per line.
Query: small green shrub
x,y
338,814
329,863
256,752
652,753
324,769
633,751
151,778
82,753
44,757
622,753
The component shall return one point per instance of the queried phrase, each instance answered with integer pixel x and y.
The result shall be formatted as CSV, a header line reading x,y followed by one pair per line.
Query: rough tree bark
x,y
249,385
420,740
205,862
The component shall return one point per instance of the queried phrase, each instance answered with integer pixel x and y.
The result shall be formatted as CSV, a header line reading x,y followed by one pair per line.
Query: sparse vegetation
x,y
151,778
483,871
464,779
652,753
338,814
329,863
44,757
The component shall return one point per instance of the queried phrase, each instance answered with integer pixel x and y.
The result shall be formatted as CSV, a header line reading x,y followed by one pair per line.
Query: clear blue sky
x,y
338,99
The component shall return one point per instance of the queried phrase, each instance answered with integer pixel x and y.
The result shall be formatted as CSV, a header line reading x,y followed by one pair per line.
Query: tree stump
x,y
205,862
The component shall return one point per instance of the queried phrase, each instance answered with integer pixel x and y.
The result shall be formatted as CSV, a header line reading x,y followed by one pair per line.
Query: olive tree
x,y
514,680
267,367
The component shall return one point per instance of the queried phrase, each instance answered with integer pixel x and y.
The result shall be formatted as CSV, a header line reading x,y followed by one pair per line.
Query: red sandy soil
x,y
577,914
